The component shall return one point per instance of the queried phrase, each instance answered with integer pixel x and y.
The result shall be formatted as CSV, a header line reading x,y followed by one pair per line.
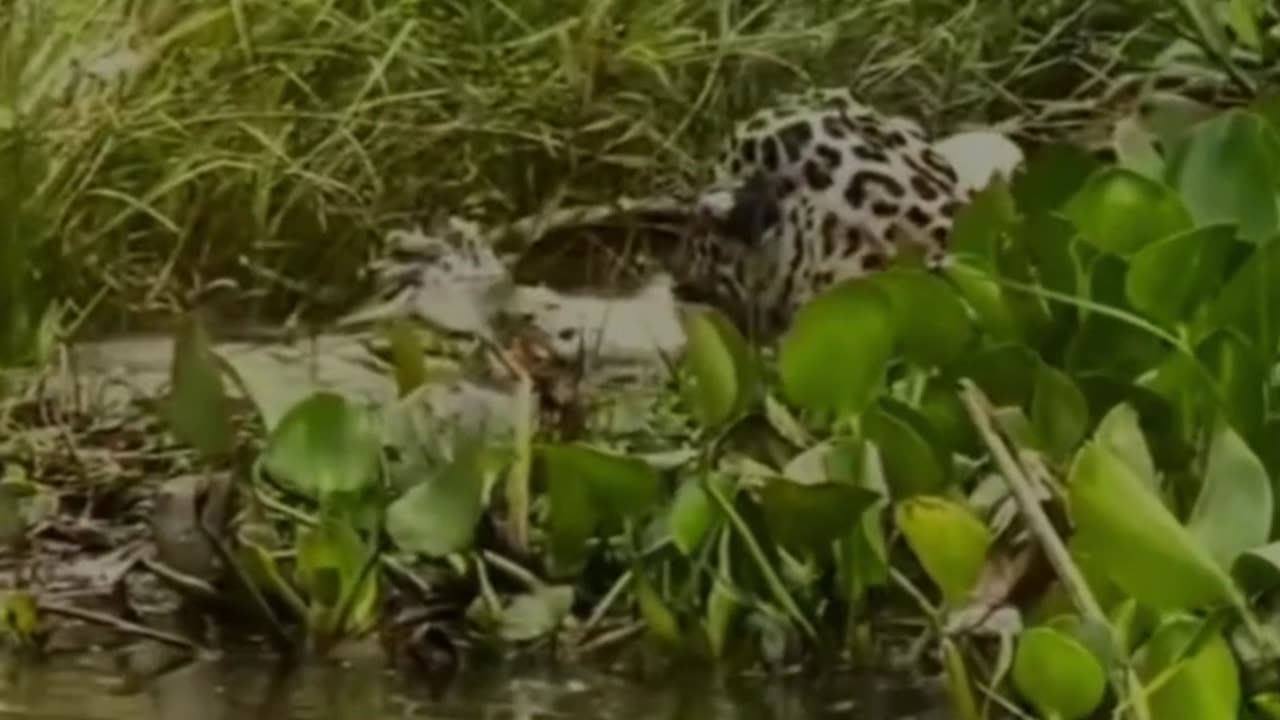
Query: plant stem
x,y
980,413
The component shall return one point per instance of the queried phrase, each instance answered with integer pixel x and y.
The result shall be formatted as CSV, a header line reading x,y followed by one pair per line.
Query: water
x,y
245,688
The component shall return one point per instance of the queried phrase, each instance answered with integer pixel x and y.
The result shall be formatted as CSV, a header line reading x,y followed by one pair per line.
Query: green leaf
x,y
535,614
1234,510
950,542
324,447
1244,16
1267,704
658,616
833,358
1204,686
932,324
1120,433
330,559
1258,569
980,223
694,514
1059,413
1170,278
438,516
1057,674
197,408
1119,211
587,487
809,516
1052,176
1227,170
914,461
980,290
1249,301
959,688
722,376
1162,565
1135,148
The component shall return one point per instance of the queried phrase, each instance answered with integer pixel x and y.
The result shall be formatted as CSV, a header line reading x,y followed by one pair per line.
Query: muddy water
x,y
242,688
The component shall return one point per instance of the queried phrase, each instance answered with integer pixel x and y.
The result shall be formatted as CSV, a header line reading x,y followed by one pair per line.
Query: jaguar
x,y
818,188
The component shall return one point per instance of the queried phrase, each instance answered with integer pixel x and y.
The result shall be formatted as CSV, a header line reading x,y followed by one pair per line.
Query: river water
x,y
245,688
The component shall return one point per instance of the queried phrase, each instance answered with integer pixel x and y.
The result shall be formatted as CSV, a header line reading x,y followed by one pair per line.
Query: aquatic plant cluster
x,y
1044,473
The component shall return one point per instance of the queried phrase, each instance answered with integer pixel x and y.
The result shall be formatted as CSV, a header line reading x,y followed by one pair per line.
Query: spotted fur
x,y
811,191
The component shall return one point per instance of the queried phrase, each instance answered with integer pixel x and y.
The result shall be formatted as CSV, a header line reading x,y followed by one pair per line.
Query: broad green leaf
x,y
722,376
1006,373
694,513
979,225
1106,344
331,556
722,609
1162,565
1249,301
1120,433
1258,569
438,516
1227,170
587,487
1234,510
1119,211
932,324
1204,686
1243,16
809,516
833,358
1053,175
1170,278
914,462
1057,674
1059,413
980,290
658,616
1234,386
324,447
197,408
950,542
535,614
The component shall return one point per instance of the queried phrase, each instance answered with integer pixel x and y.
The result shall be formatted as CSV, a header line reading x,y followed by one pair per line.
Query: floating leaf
x,y
1234,510
1057,674
949,541
1206,686
324,447
932,324
1120,433
694,514
197,408
1162,565
722,374
587,487
983,219
1119,211
1258,569
658,616
833,358
959,689
1054,173
808,516
980,290
914,464
1059,413
438,516
1227,170
331,557
1170,278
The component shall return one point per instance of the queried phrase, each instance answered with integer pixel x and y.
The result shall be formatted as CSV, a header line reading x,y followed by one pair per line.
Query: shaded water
x,y
244,688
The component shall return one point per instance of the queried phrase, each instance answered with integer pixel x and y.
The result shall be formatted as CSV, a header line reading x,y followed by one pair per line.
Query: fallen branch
x,y
981,414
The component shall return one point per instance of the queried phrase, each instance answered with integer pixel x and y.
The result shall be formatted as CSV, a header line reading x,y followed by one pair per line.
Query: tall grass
x,y
174,147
